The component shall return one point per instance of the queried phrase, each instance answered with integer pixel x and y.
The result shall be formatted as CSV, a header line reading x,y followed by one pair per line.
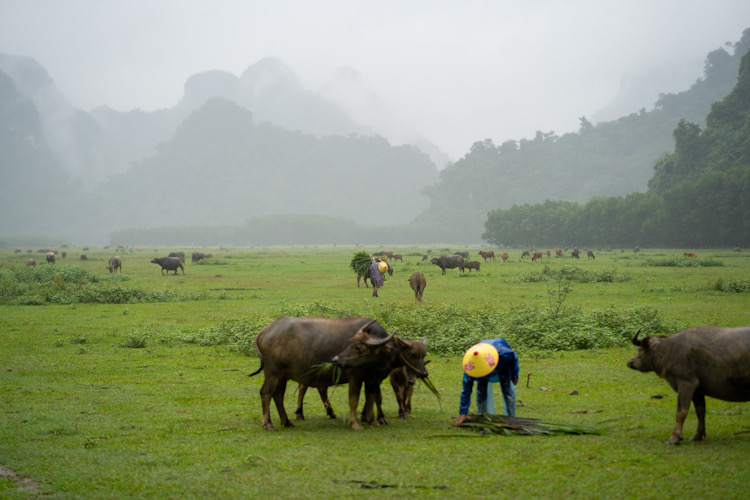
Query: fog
x,y
455,72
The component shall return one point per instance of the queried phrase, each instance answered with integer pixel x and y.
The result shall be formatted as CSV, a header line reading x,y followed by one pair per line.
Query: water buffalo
x,y
373,359
197,257
536,257
115,263
449,262
474,264
465,255
402,381
398,256
384,253
291,349
558,252
487,255
590,255
575,254
169,263
30,262
525,254
84,257
366,275
505,257
417,282
50,257
177,254
698,362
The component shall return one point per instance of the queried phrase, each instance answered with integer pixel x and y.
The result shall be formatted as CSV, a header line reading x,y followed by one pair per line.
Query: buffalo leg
x,y
408,390
699,402
685,391
355,387
266,393
278,398
300,401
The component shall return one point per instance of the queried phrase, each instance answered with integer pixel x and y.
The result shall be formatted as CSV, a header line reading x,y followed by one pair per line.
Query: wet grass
x,y
85,414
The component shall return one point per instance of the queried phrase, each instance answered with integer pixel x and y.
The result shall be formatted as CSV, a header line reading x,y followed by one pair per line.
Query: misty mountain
x,y
612,158
222,167
76,141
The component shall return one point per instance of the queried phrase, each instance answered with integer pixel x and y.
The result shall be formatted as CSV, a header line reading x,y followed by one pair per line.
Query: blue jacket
x,y
507,368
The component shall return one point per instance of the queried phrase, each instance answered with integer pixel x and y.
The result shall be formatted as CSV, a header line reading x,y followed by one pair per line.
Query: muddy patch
x,y
25,484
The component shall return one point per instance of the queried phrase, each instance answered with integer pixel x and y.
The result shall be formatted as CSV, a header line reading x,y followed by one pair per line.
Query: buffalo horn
x,y
379,342
635,338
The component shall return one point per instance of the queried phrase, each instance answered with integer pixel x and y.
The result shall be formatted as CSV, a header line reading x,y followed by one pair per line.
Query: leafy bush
x,y
683,261
738,286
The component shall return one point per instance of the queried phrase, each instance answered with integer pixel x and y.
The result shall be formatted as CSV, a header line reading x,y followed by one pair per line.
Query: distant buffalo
x,y
449,262
50,257
474,264
114,264
417,282
169,263
31,262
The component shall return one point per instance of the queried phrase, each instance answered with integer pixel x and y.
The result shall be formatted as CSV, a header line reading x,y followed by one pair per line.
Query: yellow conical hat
x,y
382,267
480,360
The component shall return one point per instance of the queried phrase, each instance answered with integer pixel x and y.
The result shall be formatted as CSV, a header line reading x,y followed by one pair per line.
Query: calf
x,y
505,257
169,263
402,381
474,264
487,255
398,256
536,257
698,362
691,254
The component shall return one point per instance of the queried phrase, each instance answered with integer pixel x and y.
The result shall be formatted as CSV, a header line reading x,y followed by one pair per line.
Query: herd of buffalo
x,y
322,352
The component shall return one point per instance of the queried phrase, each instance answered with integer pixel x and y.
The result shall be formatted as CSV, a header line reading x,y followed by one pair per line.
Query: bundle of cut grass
x,y
499,424
360,262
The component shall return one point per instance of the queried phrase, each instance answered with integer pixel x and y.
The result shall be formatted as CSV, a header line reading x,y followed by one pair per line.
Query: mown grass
x,y
151,399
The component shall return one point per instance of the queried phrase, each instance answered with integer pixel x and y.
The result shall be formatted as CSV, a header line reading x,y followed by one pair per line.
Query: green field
x,y
136,386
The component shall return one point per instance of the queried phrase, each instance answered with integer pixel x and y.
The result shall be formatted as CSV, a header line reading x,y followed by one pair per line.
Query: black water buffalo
x,y
464,254
698,362
366,276
198,256
291,349
373,359
50,256
449,262
169,263
114,264
177,254
417,282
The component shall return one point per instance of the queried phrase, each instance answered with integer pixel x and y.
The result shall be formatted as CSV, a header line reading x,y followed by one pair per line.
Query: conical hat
x,y
480,360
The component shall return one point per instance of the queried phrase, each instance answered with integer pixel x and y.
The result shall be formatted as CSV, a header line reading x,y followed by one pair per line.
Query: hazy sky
x,y
456,71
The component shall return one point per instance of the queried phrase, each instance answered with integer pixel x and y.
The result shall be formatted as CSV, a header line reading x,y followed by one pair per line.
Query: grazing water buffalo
x,y
525,254
293,349
487,255
474,264
398,256
83,257
197,257
366,276
50,257
575,254
449,262
417,282
373,359
537,256
30,262
698,362
591,255
505,257
558,252
114,264
465,255
169,263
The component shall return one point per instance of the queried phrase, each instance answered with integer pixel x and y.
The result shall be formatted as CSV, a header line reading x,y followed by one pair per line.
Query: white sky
x,y
457,71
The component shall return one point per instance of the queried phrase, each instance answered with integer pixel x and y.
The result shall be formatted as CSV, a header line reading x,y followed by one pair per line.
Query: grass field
x,y
134,400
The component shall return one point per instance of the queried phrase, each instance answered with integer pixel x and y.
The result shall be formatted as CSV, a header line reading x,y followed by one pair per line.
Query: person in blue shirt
x,y
486,362
376,277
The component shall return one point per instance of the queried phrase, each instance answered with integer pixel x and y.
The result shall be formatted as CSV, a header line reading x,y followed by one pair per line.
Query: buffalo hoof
x,y
383,421
674,440
269,427
300,416
697,437
355,426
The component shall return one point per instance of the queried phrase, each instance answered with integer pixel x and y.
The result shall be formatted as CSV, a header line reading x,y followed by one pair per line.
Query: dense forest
x,y
698,197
